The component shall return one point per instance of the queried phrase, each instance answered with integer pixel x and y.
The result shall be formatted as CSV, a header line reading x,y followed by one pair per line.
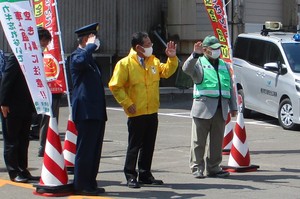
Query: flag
x,y
45,15
19,26
218,18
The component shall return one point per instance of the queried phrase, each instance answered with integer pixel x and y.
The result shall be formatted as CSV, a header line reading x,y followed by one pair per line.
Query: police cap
x,y
88,29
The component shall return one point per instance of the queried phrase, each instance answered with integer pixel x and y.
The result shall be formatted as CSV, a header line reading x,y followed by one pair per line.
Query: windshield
x,y
292,51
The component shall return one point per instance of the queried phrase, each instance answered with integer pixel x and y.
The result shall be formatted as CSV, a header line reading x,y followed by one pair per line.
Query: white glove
x,y
97,42
91,39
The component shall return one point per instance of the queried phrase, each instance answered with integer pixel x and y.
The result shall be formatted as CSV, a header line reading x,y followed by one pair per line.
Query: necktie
x,y
142,62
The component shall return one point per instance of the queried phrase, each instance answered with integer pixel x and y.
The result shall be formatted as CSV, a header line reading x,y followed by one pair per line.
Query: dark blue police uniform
x,y
89,115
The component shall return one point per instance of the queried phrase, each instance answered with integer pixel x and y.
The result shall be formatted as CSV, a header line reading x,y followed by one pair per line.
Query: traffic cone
x,y
54,178
70,145
239,158
228,135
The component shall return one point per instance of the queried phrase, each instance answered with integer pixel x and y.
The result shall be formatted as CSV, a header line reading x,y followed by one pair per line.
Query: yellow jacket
x,y
132,84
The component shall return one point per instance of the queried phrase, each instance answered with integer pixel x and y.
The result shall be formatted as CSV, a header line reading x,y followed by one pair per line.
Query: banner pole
x,y
62,56
228,37
231,55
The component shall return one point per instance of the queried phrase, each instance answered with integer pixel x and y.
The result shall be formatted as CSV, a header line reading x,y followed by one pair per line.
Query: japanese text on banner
x,y
217,15
20,29
45,14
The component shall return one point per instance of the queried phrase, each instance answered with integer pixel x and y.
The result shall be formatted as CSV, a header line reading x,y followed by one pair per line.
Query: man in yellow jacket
x,y
135,85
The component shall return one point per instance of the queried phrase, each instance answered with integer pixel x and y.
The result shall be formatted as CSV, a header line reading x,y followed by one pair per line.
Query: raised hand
x,y
171,49
198,47
91,39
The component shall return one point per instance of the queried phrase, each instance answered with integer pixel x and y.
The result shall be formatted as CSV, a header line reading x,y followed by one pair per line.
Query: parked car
x,y
267,75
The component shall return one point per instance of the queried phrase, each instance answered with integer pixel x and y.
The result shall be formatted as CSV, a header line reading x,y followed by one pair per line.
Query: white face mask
x,y
215,54
97,42
148,51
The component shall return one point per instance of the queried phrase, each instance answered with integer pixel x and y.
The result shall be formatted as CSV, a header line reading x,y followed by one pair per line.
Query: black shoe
x,y
95,192
41,154
33,137
133,183
28,175
150,180
34,178
20,179
219,174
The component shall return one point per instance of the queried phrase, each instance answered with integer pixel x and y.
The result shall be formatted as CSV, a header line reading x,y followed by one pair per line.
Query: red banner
x,y
45,15
218,18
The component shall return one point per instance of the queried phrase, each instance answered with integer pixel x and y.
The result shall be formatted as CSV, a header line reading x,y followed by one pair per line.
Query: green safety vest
x,y
210,84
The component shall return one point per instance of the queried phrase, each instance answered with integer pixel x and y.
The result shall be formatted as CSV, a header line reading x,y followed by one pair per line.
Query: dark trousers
x,y
141,142
88,153
16,143
3,123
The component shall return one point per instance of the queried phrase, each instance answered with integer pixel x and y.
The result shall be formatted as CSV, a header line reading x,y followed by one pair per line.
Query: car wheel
x,y
241,104
286,114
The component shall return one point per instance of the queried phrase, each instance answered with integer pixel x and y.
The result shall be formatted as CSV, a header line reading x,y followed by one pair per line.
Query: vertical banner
x,y
218,18
19,26
45,15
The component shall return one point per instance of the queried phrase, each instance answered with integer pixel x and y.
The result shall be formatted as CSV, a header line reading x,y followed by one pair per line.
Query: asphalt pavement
x,y
274,150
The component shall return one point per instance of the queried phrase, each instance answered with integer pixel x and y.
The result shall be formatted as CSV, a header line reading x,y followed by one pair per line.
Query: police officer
x,y
88,110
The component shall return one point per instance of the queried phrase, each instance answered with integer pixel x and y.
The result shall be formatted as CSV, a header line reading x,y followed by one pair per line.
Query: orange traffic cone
x,y
54,178
228,134
70,145
239,158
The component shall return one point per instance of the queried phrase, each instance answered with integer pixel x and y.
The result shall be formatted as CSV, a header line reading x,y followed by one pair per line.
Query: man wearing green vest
x,y
213,95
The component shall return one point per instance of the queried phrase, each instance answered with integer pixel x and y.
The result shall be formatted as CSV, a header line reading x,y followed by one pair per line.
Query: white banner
x,y
19,26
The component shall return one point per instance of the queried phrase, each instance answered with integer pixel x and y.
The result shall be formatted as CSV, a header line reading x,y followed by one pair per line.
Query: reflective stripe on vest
x,y
210,83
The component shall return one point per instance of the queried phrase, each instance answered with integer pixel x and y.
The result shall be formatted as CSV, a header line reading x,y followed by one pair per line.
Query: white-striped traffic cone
x,y
70,145
228,135
239,158
54,177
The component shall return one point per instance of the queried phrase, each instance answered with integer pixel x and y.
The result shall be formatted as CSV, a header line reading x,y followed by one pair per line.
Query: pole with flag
x,y
218,17
71,133
47,16
54,179
216,10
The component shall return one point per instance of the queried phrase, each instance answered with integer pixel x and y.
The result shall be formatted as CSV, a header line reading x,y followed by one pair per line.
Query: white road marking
x,y
187,115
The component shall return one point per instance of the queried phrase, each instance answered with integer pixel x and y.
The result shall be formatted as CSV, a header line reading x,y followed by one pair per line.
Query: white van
x,y
267,75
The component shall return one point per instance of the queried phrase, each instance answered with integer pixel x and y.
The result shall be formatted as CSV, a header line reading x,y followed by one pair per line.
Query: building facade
x,y
184,21
189,20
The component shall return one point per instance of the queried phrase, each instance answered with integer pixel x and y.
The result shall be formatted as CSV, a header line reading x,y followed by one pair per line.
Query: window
x,y
274,54
292,54
241,48
257,52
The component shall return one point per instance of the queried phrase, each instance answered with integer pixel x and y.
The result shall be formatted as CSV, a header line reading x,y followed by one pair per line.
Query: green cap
x,y
211,41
